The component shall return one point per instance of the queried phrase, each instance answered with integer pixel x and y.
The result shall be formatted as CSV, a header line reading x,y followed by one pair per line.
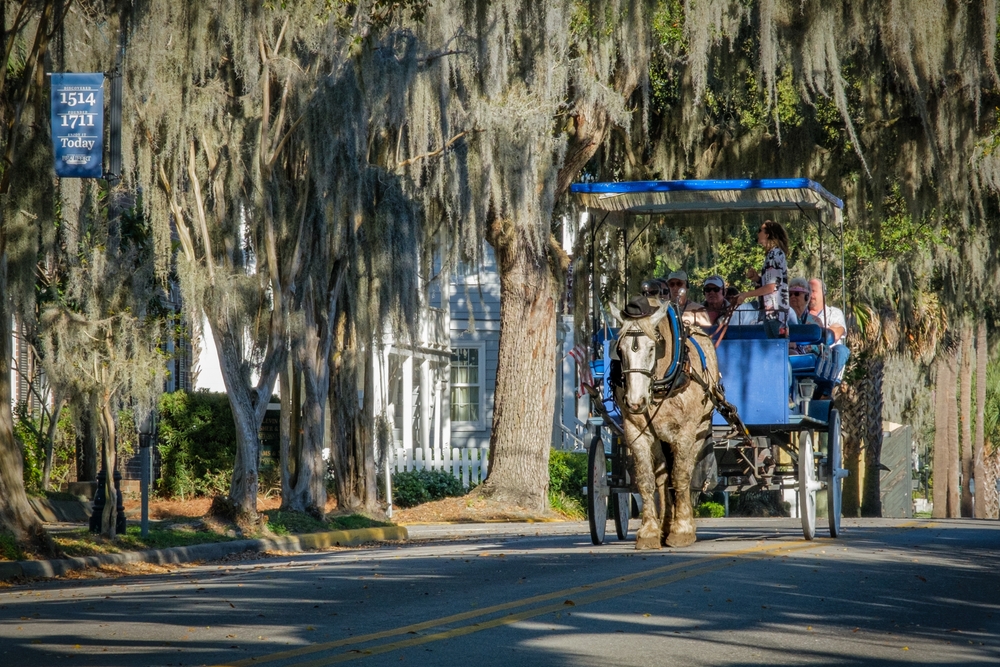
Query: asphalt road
x,y
749,592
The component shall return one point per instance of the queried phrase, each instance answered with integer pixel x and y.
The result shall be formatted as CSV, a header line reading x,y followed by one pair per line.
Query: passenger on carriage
x,y
772,280
798,311
835,358
715,302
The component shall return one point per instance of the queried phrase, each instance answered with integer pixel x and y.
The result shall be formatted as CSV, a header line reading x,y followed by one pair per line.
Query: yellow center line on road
x,y
705,564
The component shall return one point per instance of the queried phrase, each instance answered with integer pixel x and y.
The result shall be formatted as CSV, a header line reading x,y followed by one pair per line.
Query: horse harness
x,y
678,375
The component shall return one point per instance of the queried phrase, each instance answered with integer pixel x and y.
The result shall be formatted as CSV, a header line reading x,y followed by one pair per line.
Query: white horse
x,y
667,408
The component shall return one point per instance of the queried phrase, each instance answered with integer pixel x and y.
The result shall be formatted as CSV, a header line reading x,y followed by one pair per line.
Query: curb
x,y
206,551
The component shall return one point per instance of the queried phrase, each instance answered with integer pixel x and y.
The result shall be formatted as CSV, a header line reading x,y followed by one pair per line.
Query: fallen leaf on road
x,y
569,603
921,578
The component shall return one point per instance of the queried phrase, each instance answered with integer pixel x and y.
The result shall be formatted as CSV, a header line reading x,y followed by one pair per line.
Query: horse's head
x,y
640,347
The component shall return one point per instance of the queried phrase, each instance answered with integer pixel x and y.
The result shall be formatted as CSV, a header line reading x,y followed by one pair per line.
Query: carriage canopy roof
x,y
709,196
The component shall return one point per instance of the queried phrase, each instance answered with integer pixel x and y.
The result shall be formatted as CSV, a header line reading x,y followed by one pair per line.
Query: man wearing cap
x,y
833,319
715,302
798,310
692,312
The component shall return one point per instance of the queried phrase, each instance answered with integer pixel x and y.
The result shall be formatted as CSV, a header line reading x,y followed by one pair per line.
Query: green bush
x,y
414,487
28,431
710,510
197,443
567,477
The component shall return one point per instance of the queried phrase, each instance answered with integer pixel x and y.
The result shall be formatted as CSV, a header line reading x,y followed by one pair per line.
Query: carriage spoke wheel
x,y
597,490
834,483
622,507
808,485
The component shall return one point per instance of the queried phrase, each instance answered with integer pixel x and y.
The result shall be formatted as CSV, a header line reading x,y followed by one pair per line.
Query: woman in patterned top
x,y
773,280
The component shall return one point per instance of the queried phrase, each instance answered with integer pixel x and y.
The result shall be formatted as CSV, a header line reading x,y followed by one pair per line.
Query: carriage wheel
x,y
834,483
808,485
621,505
597,490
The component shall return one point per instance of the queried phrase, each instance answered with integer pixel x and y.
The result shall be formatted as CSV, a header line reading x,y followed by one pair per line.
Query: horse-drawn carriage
x,y
733,404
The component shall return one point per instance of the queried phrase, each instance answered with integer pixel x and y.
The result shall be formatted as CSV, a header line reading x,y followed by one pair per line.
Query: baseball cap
x,y
715,280
678,275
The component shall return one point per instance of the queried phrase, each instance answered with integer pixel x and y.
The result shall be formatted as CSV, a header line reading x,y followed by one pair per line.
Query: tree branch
x,y
448,144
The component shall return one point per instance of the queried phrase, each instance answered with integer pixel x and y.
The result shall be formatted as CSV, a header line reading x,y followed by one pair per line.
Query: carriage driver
x,y
692,312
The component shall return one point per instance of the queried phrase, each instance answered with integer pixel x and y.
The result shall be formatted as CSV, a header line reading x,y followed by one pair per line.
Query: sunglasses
x,y
675,283
798,293
710,289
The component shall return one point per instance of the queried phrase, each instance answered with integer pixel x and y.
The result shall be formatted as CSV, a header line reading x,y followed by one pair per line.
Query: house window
x,y
466,384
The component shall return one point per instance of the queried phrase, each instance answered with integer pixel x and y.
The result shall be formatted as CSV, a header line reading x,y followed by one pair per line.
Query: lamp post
x,y
145,424
972,492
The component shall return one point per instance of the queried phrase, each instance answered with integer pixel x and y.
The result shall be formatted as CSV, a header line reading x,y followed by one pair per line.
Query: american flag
x,y
581,355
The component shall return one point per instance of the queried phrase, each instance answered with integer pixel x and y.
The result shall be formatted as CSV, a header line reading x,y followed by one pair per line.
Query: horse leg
x,y
662,457
682,526
648,536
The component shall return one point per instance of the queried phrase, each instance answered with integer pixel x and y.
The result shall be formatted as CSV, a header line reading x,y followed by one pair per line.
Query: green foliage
x,y
29,432
710,510
197,443
991,418
285,523
9,548
569,506
567,473
414,487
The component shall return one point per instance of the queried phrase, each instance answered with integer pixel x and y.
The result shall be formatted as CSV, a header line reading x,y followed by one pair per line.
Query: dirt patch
x,y
469,509
196,508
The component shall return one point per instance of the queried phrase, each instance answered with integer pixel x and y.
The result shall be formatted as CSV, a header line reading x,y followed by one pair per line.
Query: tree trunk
x,y
524,397
308,493
109,462
979,453
249,406
87,445
939,475
965,417
291,406
954,461
352,444
871,502
50,437
16,515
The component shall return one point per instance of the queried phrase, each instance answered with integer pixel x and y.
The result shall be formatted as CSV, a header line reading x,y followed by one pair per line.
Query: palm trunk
x,y
871,503
979,454
965,417
524,398
939,473
16,515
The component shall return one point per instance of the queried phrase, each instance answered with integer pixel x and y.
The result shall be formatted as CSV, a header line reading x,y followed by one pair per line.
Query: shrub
x,y
567,476
569,506
28,431
414,487
710,510
197,443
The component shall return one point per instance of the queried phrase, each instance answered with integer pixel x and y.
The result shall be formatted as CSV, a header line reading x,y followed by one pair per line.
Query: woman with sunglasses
x,y
773,280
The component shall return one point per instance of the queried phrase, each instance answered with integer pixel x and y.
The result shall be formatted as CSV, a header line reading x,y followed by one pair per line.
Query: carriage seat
x,y
804,334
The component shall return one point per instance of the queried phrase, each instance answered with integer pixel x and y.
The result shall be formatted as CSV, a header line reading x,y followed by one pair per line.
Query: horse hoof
x,y
680,540
647,543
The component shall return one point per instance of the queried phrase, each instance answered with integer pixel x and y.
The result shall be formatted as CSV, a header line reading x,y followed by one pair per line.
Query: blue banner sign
x,y
78,124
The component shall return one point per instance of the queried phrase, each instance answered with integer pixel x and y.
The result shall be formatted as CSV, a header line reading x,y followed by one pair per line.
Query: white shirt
x,y
831,317
745,314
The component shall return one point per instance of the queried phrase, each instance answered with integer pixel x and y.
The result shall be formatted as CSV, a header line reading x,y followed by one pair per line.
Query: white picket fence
x,y
467,464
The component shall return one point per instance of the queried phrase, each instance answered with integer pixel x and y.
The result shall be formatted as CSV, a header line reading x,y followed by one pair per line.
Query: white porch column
x,y
407,425
425,407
